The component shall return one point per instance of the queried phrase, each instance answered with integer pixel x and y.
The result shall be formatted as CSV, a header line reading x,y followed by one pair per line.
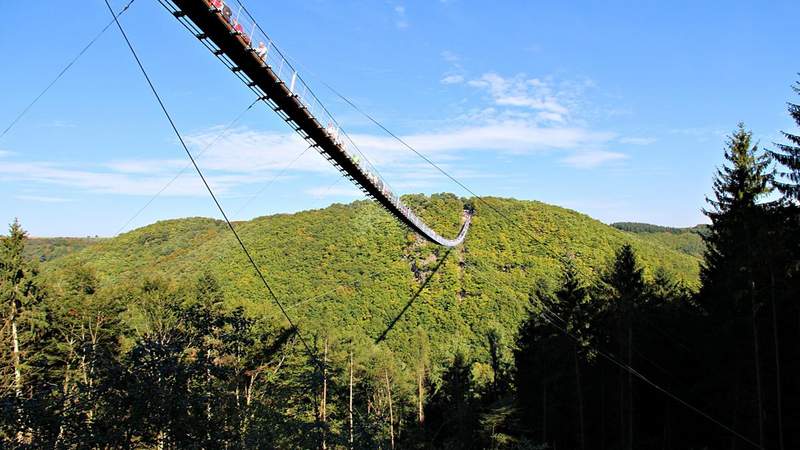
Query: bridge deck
x,y
294,102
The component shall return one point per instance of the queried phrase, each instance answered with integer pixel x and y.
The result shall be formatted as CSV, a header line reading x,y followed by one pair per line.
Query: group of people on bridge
x,y
221,7
236,26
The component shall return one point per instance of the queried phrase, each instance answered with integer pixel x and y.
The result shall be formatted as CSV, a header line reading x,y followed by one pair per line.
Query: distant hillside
x,y
47,249
362,268
685,240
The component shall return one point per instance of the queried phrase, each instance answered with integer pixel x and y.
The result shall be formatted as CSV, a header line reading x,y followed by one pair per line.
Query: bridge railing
x,y
251,36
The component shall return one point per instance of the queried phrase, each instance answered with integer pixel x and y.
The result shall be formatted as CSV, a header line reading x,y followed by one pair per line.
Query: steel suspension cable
x,y
65,69
211,191
611,358
291,62
186,167
272,180
514,223
372,119
437,167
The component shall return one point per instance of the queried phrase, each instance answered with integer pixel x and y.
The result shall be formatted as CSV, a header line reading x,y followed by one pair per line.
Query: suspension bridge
x,y
232,34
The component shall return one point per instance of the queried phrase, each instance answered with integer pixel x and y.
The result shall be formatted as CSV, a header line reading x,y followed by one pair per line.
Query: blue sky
x,y
615,109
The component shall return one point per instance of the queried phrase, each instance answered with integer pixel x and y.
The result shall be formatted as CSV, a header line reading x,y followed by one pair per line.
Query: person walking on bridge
x,y
261,51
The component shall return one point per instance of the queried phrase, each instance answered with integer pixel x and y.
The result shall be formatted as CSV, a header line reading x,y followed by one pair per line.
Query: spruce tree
x,y
574,308
626,286
788,156
730,273
22,326
735,211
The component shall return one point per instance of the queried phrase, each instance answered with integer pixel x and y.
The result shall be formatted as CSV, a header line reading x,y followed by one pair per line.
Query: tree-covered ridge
x,y
641,227
685,240
180,307
48,249
353,267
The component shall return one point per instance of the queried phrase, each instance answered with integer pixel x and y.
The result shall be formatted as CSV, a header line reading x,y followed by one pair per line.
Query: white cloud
x,y
521,92
44,199
400,17
526,116
450,56
60,124
145,166
637,140
250,151
587,159
702,134
110,182
453,79
506,136
4,153
334,191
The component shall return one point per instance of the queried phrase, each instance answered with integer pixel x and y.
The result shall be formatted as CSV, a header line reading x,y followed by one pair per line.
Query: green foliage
x,y
788,156
182,318
47,249
362,269
684,240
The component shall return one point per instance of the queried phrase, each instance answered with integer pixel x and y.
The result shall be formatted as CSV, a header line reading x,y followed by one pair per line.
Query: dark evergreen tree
x,y
731,278
624,288
788,156
452,415
23,327
552,356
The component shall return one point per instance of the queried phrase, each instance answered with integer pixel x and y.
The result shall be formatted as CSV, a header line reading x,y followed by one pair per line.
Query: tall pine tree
x,y
730,273
626,284
788,155
22,328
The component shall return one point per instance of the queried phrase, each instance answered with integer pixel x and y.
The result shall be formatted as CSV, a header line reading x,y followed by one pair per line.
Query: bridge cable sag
x,y
606,355
397,208
437,167
210,191
272,180
611,358
65,69
283,310
183,170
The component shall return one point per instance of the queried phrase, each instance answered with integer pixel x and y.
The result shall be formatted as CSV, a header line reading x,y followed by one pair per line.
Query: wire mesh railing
x,y
255,40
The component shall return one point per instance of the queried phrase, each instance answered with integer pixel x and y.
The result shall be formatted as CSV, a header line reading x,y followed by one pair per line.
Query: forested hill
x,y
46,249
685,240
361,268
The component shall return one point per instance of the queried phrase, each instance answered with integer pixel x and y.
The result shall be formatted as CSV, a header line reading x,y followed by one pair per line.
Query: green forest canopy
x,y
361,267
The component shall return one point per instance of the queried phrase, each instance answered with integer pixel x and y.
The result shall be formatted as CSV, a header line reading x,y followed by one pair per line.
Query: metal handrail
x,y
274,60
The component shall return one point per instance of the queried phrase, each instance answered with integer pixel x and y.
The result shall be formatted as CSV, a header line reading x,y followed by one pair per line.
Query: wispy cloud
x,y
111,182
524,116
452,79
506,136
401,22
4,153
450,56
455,75
701,133
637,140
592,158
334,191
60,124
518,91
44,199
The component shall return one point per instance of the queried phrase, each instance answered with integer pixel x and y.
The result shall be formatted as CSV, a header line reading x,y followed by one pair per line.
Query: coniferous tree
x,y
551,361
24,324
788,155
730,273
624,300
451,415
